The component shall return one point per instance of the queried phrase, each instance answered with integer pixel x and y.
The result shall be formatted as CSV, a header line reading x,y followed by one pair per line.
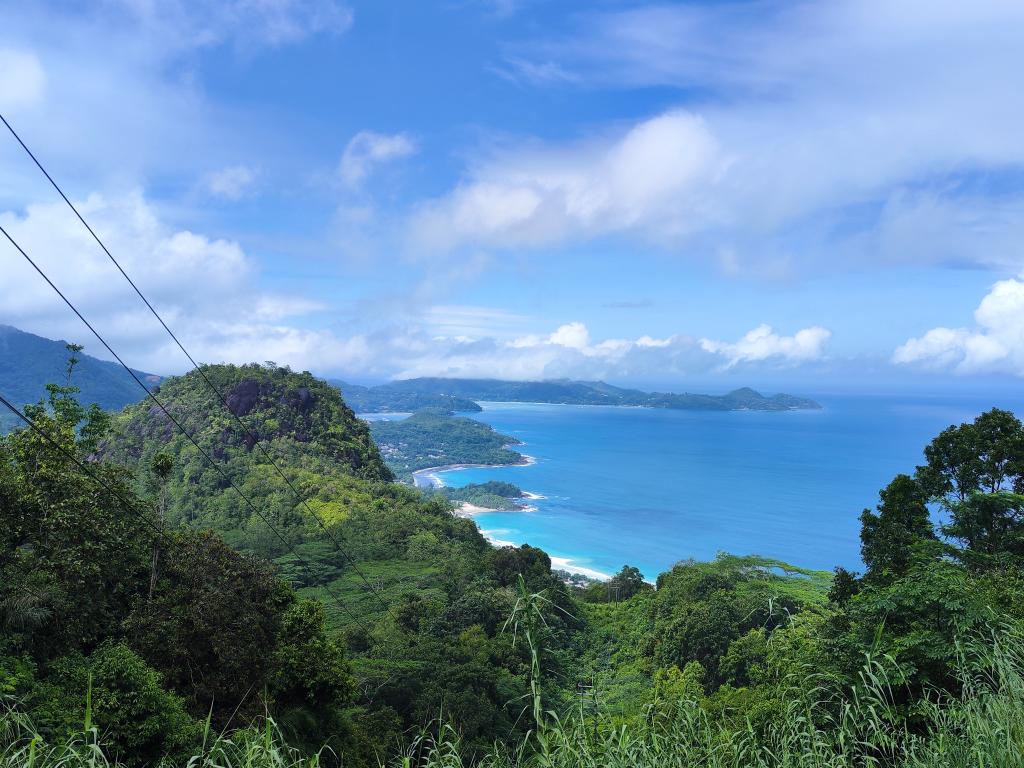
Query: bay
x,y
651,487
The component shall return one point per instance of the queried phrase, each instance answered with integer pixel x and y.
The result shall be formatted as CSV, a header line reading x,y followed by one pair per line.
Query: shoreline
x,y
429,477
432,480
557,563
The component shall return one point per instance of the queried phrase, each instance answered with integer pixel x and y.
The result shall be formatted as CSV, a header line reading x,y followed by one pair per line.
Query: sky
x,y
817,195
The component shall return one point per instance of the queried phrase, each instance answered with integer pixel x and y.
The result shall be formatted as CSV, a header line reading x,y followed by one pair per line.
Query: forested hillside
x,y
428,439
29,362
157,597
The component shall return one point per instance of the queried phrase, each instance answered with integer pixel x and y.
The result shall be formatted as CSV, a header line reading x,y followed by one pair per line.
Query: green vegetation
x,y
28,363
434,440
378,400
345,650
493,494
214,644
394,395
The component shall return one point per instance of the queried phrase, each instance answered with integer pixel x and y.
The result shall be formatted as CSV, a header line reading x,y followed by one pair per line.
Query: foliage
x,y
433,440
381,611
492,494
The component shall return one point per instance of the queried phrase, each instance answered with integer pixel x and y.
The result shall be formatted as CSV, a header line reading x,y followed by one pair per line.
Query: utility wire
x,y
128,506
200,370
170,416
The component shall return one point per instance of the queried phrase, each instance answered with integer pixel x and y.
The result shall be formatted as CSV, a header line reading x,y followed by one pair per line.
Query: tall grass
x,y
982,726
255,747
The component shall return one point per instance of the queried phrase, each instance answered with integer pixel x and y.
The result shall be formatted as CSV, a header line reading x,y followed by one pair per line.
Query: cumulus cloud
x,y
22,78
994,345
230,183
814,135
646,179
569,351
205,288
762,343
368,149
208,291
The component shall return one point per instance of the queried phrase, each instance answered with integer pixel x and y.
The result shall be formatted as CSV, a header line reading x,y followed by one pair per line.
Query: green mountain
x,y
416,594
380,400
393,395
29,362
428,439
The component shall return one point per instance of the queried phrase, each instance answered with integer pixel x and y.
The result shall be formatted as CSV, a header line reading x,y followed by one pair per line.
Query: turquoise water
x,y
651,487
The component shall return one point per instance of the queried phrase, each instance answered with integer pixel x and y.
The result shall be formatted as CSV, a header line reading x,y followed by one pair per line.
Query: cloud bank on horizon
x,y
633,191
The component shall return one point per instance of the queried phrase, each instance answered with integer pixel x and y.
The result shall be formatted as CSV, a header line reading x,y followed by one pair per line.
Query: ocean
x,y
650,487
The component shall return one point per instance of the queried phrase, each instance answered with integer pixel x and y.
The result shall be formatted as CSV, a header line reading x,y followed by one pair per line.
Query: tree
x,y
986,455
140,722
160,468
976,471
212,625
889,537
991,526
74,545
844,586
311,683
627,582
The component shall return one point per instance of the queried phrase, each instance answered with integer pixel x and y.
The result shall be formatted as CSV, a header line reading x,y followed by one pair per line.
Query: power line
x,y
198,368
167,413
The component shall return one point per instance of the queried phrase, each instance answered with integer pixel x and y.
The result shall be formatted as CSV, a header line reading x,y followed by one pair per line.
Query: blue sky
x,y
812,195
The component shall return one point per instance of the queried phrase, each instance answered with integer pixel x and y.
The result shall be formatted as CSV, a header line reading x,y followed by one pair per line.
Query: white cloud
x,y
994,345
571,335
22,79
763,343
206,289
208,292
367,149
570,352
645,179
230,183
821,135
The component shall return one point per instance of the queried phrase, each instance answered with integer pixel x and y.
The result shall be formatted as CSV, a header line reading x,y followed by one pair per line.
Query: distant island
x,y
451,395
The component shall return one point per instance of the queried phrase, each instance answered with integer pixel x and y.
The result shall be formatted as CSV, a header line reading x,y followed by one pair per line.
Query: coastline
x,y
557,563
429,477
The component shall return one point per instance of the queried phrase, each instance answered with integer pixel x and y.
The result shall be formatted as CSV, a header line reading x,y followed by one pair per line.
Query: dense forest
x,y
428,439
295,606
28,362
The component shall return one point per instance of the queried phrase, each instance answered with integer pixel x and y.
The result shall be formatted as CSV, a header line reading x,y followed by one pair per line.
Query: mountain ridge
x,y
29,362
384,397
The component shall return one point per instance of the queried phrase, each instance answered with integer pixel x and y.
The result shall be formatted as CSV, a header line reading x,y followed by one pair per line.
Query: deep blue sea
x,y
651,487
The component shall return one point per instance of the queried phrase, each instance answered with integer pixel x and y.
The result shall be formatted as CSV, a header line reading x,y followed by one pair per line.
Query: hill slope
x,y
29,362
440,643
